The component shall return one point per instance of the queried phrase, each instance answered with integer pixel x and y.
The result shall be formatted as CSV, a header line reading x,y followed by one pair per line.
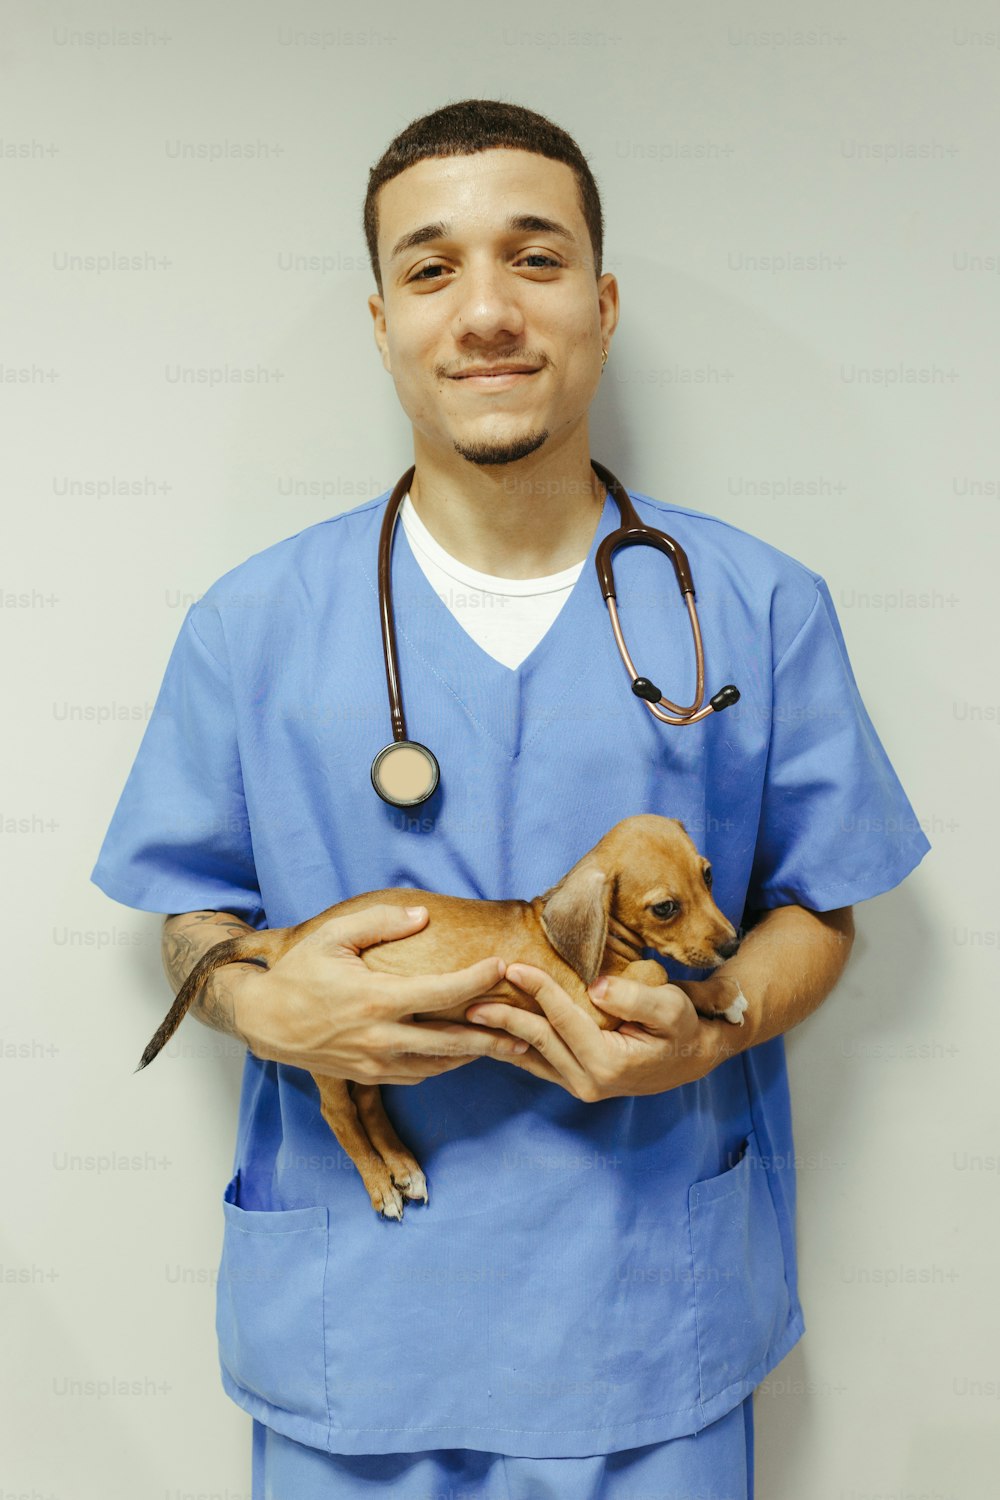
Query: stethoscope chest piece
x,y
405,773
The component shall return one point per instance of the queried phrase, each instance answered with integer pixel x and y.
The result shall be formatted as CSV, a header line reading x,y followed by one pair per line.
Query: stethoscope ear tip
x,y
725,697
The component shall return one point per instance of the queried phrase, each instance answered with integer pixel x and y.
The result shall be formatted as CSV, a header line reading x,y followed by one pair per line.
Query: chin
x,y
495,451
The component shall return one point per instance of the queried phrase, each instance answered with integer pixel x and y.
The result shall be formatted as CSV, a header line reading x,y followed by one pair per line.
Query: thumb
x,y
621,997
598,992
379,923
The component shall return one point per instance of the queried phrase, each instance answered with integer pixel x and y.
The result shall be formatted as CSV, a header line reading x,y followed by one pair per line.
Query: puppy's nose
x,y
728,948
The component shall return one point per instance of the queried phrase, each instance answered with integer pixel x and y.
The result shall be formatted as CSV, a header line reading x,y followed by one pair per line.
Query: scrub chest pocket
x,y
277,1322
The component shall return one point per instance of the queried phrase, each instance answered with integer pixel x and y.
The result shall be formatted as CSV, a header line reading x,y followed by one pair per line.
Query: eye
x,y
665,909
534,255
708,876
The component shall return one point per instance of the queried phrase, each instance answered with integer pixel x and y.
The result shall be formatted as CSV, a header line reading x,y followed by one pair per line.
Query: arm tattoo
x,y
187,937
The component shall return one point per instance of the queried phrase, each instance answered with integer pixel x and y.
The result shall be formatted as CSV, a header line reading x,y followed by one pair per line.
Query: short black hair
x,y
473,125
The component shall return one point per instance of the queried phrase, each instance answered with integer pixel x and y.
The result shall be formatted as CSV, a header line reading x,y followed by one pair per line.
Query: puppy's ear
x,y
575,918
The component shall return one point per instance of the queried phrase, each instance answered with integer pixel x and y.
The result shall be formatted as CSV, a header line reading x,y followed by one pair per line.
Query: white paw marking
x,y
415,1186
392,1204
736,1011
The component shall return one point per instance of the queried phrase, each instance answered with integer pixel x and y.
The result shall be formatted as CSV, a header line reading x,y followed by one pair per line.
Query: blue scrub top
x,y
587,1277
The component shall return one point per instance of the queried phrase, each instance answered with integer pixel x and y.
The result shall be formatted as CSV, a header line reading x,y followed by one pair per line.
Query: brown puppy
x,y
644,885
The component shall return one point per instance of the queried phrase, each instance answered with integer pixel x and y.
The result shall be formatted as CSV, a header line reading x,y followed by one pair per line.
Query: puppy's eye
x,y
708,876
664,909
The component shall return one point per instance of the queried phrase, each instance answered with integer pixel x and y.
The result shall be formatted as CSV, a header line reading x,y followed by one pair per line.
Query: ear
x,y
376,306
575,918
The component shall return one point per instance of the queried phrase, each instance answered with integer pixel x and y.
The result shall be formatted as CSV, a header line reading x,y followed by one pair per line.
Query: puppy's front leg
x,y
736,1005
648,971
645,971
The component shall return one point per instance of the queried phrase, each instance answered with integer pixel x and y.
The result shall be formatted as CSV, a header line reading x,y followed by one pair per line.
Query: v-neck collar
x,y
493,694
428,550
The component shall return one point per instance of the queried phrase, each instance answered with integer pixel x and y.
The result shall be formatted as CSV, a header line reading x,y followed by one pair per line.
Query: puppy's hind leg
x,y
341,1114
403,1166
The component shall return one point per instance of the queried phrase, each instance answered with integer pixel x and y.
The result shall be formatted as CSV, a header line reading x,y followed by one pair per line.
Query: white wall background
x,y
863,136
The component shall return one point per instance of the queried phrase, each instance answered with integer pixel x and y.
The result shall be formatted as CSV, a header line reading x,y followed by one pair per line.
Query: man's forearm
x,y
187,937
785,968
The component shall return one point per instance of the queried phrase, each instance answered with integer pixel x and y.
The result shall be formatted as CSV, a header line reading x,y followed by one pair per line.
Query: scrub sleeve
x,y
180,837
835,827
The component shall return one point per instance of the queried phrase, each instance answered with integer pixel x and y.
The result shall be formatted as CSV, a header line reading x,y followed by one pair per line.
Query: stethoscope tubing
x,y
631,532
385,603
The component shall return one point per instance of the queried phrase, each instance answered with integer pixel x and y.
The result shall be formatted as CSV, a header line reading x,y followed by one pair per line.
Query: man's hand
x,y
662,1042
320,1008
787,965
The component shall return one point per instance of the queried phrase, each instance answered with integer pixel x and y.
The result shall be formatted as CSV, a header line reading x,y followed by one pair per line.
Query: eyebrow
x,y
515,223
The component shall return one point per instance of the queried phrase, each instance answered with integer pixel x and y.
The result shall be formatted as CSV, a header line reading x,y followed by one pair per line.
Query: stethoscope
x,y
406,773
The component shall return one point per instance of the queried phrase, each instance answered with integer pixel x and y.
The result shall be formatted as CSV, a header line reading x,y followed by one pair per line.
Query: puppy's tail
x,y
256,945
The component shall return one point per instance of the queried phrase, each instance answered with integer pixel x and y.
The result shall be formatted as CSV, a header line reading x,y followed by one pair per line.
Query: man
x,y
606,1265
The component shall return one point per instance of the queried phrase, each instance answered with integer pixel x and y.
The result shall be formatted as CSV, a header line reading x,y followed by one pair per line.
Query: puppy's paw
x,y
733,1012
412,1185
388,1203
737,1009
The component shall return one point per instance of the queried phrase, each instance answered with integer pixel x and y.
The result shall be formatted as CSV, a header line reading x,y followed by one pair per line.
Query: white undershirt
x,y
507,617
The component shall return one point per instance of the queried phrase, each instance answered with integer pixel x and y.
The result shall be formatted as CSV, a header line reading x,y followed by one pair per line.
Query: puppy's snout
x,y
728,948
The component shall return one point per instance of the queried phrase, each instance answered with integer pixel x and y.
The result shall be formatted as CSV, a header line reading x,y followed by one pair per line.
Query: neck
x,y
519,520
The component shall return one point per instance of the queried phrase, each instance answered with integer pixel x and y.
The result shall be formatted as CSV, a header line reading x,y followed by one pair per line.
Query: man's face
x,y
478,291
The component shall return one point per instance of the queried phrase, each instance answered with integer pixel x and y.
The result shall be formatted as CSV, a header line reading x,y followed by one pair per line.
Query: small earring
x,y
604,359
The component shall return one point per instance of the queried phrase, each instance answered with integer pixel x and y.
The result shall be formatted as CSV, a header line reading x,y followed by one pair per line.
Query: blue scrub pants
x,y
714,1464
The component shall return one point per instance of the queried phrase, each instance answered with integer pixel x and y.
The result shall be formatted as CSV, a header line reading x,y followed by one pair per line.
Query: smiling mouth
x,y
503,380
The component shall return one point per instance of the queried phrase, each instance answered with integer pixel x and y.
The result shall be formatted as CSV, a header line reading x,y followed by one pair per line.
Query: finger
x,y
476,1041
526,1056
659,1008
429,992
447,1039
379,923
418,1070
569,1042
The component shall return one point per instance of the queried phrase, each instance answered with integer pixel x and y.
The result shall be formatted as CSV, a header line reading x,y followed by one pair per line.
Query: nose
x,y
487,305
728,948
